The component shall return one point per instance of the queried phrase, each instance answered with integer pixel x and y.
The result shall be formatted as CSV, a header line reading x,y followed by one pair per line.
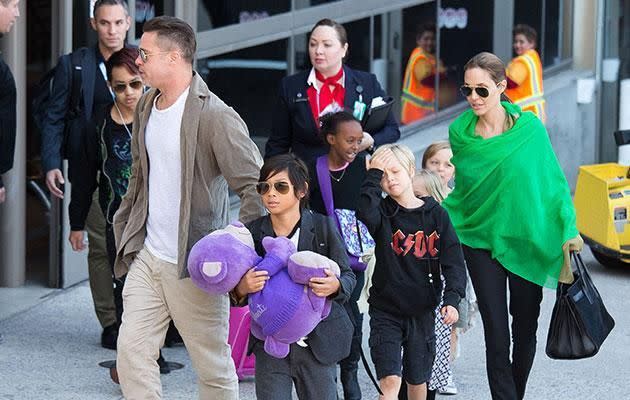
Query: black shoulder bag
x,y
579,322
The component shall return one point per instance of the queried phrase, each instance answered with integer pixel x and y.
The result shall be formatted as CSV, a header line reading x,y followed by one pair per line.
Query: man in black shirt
x,y
66,119
8,15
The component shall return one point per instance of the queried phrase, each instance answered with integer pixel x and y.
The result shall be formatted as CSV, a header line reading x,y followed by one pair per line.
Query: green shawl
x,y
511,196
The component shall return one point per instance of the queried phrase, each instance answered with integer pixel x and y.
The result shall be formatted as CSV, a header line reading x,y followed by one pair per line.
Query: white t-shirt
x,y
296,237
162,138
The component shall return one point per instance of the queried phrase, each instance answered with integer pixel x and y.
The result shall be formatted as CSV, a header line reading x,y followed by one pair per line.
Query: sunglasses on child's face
x,y
481,91
280,187
121,87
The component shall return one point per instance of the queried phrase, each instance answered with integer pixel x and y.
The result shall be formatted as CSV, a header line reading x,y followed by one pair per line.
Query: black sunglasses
x,y
481,91
121,87
280,187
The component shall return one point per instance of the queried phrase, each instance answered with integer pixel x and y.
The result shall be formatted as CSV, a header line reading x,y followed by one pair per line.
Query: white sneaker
x,y
449,389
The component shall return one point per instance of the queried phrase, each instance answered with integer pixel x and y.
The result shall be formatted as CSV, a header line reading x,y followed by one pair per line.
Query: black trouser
x,y
350,365
507,379
110,243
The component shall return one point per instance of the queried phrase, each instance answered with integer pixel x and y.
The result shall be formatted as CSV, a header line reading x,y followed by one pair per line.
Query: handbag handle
x,y
589,290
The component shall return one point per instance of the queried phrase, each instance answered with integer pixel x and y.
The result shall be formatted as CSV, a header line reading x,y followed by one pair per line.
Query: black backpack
x,y
43,94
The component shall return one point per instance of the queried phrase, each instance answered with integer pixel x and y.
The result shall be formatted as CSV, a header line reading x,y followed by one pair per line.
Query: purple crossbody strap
x,y
325,186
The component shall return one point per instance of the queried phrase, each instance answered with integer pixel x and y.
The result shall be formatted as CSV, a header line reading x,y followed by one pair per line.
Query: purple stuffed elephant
x,y
287,310
218,261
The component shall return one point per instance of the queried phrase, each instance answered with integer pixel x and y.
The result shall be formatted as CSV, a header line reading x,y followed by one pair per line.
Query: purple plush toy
x,y
297,310
218,261
286,310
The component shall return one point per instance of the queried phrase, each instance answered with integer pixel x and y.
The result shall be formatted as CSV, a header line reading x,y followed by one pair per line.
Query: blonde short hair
x,y
432,183
403,154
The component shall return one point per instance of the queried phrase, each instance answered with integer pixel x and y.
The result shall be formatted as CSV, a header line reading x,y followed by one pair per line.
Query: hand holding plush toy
x,y
218,261
287,308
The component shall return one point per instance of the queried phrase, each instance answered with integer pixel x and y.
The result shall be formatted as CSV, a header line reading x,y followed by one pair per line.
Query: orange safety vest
x,y
529,94
417,100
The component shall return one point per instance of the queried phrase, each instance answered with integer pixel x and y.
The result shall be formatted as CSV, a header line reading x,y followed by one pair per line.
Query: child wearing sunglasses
x,y
104,161
310,366
108,151
415,243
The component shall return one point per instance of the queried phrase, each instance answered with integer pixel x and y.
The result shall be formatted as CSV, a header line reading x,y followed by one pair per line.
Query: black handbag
x,y
579,321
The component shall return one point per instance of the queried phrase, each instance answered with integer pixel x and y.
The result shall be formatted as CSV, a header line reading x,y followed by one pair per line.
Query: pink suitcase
x,y
238,339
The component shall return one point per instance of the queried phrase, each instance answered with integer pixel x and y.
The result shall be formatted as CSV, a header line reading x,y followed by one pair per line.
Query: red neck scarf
x,y
326,96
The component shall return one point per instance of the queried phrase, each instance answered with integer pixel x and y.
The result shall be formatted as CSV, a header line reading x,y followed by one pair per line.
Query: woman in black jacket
x,y
307,95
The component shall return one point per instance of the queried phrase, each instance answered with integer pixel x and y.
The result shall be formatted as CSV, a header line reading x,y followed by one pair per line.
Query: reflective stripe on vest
x,y
534,71
530,101
417,101
414,92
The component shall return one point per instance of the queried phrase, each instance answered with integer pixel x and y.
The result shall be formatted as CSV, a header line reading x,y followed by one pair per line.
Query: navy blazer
x,y
331,338
55,122
293,127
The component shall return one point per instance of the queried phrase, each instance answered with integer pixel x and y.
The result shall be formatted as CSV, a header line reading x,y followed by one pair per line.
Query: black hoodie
x,y
411,245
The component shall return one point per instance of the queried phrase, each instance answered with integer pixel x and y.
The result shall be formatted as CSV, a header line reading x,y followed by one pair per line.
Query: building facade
x,y
246,46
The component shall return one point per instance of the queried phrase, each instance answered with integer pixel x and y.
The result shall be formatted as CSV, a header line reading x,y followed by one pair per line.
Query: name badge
x,y
359,109
300,99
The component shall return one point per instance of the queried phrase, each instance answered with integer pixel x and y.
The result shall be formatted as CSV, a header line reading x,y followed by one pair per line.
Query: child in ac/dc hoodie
x,y
415,242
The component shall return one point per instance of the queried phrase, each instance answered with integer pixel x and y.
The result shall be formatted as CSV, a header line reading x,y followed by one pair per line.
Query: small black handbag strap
x,y
582,271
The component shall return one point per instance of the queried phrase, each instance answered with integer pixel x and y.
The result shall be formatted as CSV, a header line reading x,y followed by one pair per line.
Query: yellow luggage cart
x,y
602,204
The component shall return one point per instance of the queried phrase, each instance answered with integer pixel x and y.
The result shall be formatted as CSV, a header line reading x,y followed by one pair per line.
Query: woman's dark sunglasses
x,y
280,187
121,87
481,91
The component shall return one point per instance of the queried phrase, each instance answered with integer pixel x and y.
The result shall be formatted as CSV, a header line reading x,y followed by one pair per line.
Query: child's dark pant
x,y
275,377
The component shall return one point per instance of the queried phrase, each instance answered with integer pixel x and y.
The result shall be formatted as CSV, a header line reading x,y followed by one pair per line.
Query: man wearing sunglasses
x,y
78,89
187,148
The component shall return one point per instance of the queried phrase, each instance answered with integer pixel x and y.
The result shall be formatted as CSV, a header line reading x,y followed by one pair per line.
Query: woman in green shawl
x,y
512,210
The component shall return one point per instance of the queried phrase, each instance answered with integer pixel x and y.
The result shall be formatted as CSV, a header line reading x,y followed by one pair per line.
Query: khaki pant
x,y
99,269
152,295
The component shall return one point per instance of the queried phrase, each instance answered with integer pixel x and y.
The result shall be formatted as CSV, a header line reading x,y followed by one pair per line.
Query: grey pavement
x,y
50,350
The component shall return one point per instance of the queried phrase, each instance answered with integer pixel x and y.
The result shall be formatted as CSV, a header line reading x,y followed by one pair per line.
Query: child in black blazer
x,y
310,365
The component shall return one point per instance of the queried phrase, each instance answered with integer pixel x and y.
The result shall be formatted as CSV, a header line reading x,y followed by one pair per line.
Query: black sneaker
x,y
109,337
164,367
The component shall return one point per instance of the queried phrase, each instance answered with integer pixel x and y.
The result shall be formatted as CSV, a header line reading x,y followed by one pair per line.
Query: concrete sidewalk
x,y
51,351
